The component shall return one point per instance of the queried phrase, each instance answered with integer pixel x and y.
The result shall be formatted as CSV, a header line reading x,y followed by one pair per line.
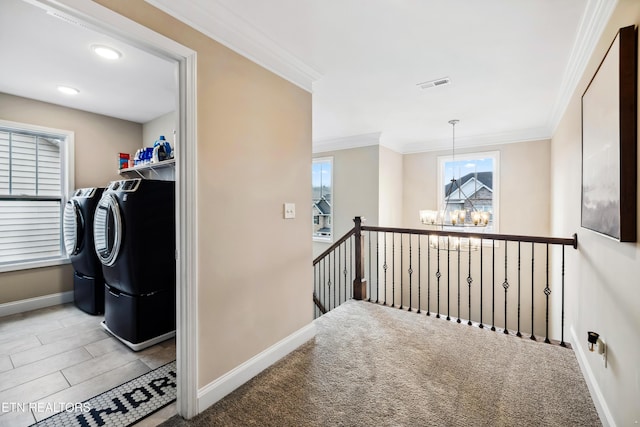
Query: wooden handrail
x,y
335,245
484,236
318,304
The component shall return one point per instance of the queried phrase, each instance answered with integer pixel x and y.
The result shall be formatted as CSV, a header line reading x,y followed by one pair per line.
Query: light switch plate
x,y
289,210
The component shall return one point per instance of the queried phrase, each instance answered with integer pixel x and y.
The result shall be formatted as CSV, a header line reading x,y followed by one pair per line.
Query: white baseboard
x,y
594,389
216,390
21,306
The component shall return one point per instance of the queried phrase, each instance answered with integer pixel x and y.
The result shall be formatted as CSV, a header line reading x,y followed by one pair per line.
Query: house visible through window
x,y
33,190
322,208
475,188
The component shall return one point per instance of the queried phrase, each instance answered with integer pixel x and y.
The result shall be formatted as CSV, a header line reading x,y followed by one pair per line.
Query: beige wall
x,y
391,188
355,177
524,186
163,125
98,140
254,154
603,290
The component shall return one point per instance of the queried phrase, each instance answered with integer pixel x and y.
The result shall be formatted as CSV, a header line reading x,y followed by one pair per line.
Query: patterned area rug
x,y
124,405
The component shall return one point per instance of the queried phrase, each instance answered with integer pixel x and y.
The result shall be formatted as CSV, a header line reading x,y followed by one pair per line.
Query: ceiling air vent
x,y
434,83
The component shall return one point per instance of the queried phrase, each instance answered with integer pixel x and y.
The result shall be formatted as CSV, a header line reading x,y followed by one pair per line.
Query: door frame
x,y
105,20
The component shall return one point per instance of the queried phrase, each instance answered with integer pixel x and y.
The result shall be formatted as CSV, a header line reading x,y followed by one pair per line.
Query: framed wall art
x,y
609,142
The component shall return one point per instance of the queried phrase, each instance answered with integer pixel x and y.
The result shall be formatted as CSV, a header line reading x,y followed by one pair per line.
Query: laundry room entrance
x,y
99,308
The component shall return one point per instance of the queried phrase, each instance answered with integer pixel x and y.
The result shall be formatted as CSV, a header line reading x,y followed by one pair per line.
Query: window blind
x,y
30,196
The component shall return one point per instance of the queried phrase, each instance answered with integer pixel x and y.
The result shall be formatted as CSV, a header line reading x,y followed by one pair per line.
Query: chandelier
x,y
451,216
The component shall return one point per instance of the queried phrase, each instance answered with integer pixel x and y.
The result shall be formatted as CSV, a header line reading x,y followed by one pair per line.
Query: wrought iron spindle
x,y
458,282
410,271
518,333
438,277
493,285
419,271
370,277
377,267
339,277
562,343
351,255
505,285
429,276
469,281
335,274
547,292
346,271
385,267
481,282
448,275
533,337
401,272
329,282
393,269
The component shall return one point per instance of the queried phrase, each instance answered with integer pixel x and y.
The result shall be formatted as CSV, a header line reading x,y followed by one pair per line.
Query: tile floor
x,y
61,354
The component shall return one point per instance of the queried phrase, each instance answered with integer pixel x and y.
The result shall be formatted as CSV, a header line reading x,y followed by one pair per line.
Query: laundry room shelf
x,y
163,171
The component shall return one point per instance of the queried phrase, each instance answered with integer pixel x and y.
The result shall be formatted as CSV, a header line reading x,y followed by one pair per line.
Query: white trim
x,y
21,306
480,142
233,31
219,388
355,141
592,25
29,265
596,394
105,20
187,241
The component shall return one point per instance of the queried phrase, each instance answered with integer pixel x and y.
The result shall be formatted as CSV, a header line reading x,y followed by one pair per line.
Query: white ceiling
x,y
512,64
40,51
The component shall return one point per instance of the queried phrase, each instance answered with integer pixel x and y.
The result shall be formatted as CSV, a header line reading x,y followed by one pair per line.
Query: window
x,y
322,207
34,184
476,186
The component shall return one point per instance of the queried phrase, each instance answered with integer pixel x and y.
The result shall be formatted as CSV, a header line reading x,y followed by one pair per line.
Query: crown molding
x,y
218,22
593,23
477,141
354,141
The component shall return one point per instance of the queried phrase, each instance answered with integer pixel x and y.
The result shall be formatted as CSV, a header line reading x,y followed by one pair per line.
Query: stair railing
x,y
488,284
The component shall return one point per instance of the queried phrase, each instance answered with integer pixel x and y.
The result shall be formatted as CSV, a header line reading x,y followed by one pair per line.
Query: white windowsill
x,y
27,265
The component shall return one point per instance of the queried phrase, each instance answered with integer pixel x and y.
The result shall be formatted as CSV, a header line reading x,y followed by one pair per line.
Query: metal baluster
x,y
448,275
410,270
493,285
469,281
458,282
385,267
429,276
377,267
505,285
481,282
533,337
370,277
401,272
338,270
547,292
346,272
329,282
351,240
518,333
562,343
419,271
334,281
438,277
393,269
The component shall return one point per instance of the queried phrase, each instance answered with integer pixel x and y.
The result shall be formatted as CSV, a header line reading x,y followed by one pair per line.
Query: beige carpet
x,y
371,365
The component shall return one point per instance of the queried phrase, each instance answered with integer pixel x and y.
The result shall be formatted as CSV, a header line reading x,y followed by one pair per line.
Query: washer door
x,y
73,227
107,230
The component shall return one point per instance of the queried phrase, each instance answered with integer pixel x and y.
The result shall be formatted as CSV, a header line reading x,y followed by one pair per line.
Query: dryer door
x,y
73,227
107,229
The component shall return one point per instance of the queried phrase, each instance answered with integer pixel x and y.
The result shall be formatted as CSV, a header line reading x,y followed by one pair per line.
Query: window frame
x,y
330,238
67,168
470,156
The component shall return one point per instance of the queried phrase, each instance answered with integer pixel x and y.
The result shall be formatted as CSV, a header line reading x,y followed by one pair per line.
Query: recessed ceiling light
x,y
68,90
106,51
